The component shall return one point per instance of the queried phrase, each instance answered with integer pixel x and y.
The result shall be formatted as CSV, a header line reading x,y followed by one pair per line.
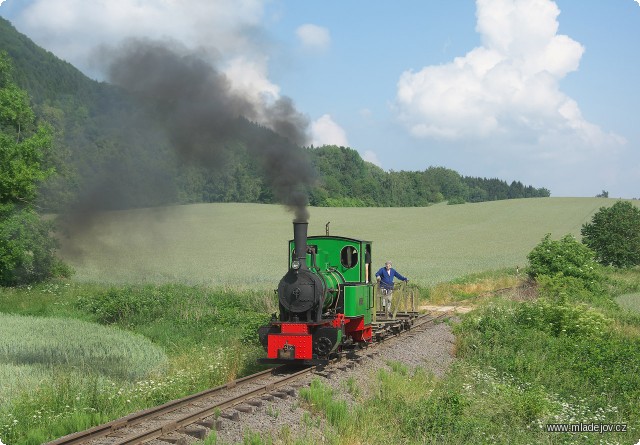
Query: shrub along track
x,y
193,417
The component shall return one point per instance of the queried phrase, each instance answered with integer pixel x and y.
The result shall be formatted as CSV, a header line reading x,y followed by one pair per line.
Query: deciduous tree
x,y
614,234
26,245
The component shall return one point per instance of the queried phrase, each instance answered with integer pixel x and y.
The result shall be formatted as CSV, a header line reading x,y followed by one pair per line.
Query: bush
x,y
127,305
26,244
614,235
27,250
561,319
578,364
567,257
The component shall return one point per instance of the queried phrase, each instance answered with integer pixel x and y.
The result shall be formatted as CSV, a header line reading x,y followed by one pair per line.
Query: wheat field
x,y
245,244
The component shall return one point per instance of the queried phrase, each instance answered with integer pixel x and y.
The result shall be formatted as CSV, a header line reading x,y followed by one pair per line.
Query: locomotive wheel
x,y
323,346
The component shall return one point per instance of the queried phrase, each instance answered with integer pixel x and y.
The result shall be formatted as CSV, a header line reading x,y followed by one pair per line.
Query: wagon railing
x,y
402,302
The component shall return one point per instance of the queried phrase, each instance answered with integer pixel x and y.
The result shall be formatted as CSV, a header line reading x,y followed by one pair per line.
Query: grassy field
x,y
245,244
76,355
197,280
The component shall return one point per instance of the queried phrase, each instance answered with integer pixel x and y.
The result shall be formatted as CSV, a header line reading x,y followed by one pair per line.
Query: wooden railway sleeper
x,y
254,402
174,440
168,427
233,416
207,423
247,409
194,431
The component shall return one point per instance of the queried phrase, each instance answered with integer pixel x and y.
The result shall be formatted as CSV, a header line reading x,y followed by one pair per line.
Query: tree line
x,y
344,179
347,180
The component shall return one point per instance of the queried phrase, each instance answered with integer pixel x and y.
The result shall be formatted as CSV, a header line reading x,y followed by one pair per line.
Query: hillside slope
x,y
112,152
245,244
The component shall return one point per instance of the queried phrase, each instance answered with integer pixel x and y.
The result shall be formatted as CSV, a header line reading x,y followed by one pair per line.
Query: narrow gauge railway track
x,y
196,414
411,326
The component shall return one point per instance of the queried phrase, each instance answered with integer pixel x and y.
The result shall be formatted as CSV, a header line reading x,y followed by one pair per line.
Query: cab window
x,y
349,257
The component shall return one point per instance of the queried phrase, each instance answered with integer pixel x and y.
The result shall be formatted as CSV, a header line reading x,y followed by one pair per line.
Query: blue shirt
x,y
386,279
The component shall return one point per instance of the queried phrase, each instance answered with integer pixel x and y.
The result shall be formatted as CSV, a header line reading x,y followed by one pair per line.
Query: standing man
x,y
385,277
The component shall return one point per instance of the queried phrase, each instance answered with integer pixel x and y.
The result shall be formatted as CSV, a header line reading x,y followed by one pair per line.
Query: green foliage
x,y
199,329
584,370
344,202
51,411
27,249
567,257
561,319
26,246
562,289
249,327
192,309
127,305
345,180
614,234
454,201
22,149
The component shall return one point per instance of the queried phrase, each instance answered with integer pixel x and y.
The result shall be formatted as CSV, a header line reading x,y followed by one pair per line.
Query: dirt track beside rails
x,y
432,349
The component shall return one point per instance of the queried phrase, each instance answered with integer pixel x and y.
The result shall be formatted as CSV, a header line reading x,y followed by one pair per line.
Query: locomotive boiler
x,y
326,299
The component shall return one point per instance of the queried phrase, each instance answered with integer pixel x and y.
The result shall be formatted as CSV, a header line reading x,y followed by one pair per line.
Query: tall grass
x,y
521,366
245,244
55,384
512,375
77,345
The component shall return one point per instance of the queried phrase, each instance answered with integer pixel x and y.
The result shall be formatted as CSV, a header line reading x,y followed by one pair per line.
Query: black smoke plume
x,y
193,103
200,111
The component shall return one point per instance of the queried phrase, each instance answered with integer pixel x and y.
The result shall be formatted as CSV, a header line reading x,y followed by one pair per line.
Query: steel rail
x,y
200,414
141,416
168,426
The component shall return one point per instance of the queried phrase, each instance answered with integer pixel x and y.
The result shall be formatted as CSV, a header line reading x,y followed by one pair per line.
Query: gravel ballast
x,y
432,349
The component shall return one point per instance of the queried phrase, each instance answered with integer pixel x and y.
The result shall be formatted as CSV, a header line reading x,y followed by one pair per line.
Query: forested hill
x,y
347,180
110,155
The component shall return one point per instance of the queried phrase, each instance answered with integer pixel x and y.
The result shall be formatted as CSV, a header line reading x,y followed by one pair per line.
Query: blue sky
x,y
540,91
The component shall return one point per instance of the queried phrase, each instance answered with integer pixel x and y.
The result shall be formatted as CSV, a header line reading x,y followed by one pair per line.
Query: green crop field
x,y
78,345
245,244
182,290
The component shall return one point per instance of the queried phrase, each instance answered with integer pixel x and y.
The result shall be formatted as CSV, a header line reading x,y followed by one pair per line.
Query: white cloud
x,y
372,157
227,33
325,131
249,76
71,29
314,36
507,88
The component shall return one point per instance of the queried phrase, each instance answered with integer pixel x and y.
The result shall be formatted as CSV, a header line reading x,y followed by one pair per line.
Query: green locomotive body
x,y
326,299
343,263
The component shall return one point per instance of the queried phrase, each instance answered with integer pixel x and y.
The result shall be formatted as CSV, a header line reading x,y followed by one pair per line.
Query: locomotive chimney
x,y
300,241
